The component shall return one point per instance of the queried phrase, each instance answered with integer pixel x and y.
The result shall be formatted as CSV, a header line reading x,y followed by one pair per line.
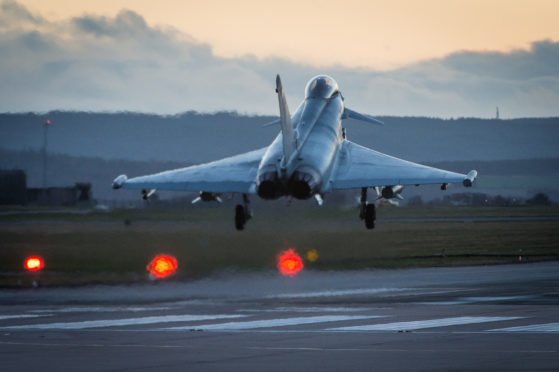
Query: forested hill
x,y
192,137
521,178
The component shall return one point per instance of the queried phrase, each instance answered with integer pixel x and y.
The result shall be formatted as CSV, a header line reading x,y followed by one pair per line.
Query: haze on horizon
x,y
431,58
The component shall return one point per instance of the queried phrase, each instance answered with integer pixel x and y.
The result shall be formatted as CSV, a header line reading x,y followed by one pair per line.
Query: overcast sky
x,y
435,60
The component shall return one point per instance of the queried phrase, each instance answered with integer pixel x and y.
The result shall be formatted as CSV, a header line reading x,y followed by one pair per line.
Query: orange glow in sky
x,y
34,263
289,263
162,266
352,33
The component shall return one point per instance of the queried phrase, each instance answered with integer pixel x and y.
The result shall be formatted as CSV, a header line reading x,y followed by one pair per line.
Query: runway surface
x,y
487,318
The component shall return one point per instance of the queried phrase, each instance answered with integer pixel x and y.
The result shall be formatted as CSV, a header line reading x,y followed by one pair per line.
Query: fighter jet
x,y
309,158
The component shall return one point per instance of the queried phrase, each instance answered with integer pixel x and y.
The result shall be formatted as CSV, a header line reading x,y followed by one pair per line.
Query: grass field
x,y
99,247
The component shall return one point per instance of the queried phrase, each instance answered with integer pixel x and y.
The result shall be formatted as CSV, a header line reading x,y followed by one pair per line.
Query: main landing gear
x,y
367,211
242,213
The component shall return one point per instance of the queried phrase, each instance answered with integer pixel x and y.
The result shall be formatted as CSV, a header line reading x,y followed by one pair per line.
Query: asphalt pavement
x,y
484,318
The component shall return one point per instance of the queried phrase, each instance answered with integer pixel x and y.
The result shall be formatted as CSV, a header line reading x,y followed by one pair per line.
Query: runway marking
x,y
421,324
470,300
457,302
270,348
539,328
20,316
99,309
270,323
316,309
154,346
343,292
381,350
124,322
495,299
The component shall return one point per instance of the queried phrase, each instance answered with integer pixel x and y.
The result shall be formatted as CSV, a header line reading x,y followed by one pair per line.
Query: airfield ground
x,y
85,247
367,303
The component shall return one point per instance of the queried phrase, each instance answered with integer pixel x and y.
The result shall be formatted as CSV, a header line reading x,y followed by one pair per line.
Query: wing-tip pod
x,y
119,181
470,178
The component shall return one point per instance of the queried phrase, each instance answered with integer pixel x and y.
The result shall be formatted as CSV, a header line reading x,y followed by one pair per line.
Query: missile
x,y
470,178
389,192
147,193
206,197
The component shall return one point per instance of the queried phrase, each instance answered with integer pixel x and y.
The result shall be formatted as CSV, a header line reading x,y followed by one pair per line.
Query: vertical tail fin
x,y
289,143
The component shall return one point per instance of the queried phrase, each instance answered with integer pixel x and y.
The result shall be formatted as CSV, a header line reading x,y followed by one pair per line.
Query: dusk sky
x,y
431,58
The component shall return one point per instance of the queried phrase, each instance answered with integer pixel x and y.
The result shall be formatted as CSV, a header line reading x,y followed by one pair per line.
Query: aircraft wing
x,y
233,174
359,166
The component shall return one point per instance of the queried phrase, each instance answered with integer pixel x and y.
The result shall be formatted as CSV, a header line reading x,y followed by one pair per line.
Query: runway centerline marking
x,y
86,309
381,350
421,324
472,300
316,309
270,323
123,322
341,292
536,328
21,316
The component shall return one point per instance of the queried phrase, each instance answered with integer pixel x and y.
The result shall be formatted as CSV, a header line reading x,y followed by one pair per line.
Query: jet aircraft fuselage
x,y
317,134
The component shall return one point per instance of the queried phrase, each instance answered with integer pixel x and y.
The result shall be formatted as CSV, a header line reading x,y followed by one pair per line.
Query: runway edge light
x,y
162,266
289,263
34,263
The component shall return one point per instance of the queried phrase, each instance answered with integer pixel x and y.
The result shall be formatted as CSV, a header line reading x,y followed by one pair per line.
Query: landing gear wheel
x,y
370,216
242,213
240,217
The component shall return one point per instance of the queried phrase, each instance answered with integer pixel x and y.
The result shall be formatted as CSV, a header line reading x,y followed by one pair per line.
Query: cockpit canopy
x,y
321,86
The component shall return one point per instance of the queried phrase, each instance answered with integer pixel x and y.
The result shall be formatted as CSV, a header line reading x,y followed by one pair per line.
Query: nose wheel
x,y
242,213
368,211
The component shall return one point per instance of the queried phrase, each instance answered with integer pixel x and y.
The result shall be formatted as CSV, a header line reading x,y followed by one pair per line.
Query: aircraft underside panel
x,y
234,174
359,166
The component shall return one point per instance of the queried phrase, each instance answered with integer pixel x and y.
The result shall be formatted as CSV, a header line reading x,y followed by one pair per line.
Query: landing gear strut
x,y
368,211
242,213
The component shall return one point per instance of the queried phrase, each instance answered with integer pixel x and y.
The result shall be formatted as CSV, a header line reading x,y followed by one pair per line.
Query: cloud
x,y
126,23
14,13
121,63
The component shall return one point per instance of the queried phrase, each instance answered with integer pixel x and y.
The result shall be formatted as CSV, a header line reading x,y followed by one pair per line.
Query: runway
x,y
487,318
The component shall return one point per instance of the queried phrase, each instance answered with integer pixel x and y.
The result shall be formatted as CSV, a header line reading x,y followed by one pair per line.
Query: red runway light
x,y
34,263
289,263
162,266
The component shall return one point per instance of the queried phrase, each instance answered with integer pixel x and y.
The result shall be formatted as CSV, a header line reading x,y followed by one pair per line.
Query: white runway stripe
x,y
544,328
269,323
7,317
315,310
123,322
471,300
420,324
335,293
99,309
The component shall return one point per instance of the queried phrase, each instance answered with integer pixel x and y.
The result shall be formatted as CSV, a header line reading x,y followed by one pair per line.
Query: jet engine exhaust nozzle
x,y
304,183
269,187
